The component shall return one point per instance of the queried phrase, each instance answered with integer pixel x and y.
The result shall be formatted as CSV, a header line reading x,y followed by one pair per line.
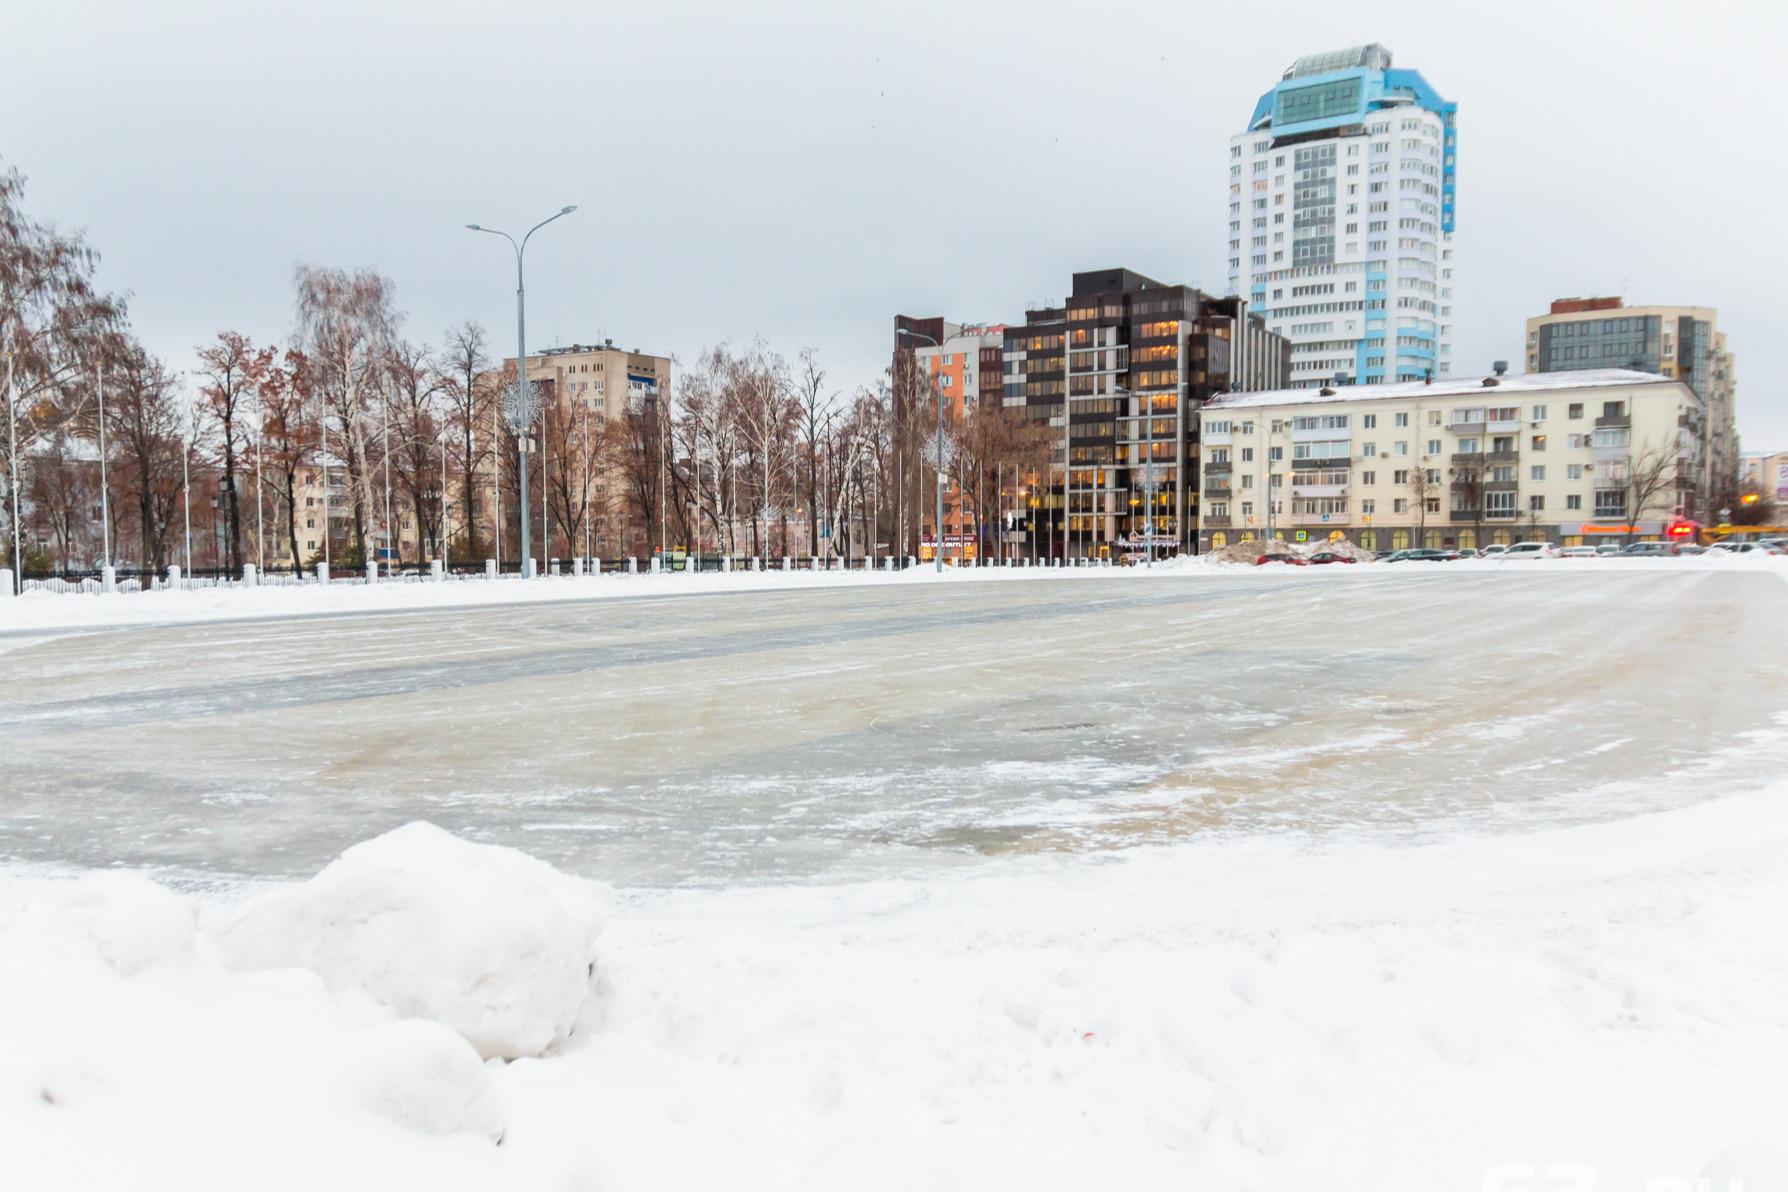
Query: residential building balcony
x,y
1504,426
1218,521
1466,428
1463,515
1501,514
1500,457
1466,457
1318,490
1218,491
1218,467
1608,420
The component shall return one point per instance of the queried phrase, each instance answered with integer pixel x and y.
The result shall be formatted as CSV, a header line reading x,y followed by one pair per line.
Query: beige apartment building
x,y
1683,343
1457,462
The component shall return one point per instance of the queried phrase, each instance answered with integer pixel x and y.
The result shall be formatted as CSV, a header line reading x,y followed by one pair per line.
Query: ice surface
x,y
862,731
491,942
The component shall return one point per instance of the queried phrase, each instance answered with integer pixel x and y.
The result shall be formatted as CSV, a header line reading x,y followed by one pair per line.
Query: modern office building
x,y
1571,457
1681,342
1342,194
1117,374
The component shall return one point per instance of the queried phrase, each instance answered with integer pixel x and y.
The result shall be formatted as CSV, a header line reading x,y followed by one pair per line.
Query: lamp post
x,y
937,553
12,467
521,361
105,489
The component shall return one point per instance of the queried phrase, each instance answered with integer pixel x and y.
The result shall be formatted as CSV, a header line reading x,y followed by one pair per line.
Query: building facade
x,y
1342,194
965,369
1681,342
1765,473
1117,375
1570,457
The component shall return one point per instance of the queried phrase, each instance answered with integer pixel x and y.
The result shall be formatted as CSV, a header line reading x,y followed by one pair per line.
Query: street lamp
x,y
521,362
938,385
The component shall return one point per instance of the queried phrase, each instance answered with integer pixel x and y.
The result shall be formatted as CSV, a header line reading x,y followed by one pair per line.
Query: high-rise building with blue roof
x,y
1341,210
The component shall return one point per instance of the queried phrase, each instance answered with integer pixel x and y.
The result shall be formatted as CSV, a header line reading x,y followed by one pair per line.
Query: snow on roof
x,y
1546,382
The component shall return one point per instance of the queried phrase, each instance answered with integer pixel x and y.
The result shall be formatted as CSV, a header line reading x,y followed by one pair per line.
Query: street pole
x,y
446,509
105,504
937,550
12,466
521,364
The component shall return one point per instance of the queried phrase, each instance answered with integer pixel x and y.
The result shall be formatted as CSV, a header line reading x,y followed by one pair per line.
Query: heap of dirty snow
x,y
489,941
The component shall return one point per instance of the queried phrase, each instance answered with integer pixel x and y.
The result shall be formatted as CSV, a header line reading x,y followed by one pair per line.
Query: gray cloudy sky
x,y
804,171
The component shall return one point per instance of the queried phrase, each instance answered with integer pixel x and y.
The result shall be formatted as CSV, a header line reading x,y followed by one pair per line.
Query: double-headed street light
x,y
938,385
521,365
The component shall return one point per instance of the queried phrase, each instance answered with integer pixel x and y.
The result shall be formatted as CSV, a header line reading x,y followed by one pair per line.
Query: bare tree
x,y
148,419
415,390
289,437
55,326
763,413
1645,479
817,409
232,369
469,389
346,322
1422,488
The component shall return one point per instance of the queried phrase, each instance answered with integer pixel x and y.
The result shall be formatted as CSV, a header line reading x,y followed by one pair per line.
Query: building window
x,y
1576,409
1574,501
1536,504
1539,442
1402,419
1537,472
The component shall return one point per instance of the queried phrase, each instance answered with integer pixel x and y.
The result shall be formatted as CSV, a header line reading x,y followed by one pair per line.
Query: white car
x,y
1531,550
1494,550
1579,552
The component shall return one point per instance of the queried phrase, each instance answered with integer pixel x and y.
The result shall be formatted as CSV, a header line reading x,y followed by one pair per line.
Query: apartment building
x,y
1765,473
963,365
1570,457
1117,374
1680,342
1342,196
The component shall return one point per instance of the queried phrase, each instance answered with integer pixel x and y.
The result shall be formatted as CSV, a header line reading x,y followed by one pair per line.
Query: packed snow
x,y
1471,879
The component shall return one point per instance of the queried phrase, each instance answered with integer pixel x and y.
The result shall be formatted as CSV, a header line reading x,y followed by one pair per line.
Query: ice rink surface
x,y
838,734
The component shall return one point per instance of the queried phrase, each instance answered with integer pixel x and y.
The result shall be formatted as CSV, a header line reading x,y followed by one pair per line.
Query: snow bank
x,y
483,939
1609,1001
423,1076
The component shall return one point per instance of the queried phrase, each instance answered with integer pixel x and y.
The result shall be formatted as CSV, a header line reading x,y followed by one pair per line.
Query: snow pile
x,y
424,1077
131,1057
1342,546
483,939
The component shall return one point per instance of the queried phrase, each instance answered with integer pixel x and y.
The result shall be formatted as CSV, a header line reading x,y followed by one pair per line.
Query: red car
x,y
1294,560
1329,556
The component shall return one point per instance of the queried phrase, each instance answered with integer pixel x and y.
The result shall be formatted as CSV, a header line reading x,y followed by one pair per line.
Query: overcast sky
x,y
805,171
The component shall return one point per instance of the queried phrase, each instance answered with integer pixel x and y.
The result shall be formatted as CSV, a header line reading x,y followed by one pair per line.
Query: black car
x,y
1420,555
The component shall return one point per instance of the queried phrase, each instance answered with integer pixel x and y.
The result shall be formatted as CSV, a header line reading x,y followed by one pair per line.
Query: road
x,y
825,734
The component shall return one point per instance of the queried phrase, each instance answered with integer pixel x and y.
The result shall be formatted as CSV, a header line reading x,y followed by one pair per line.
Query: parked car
x,y
1292,560
1531,550
1494,549
1466,552
1419,555
1607,548
1649,550
1779,545
1580,552
1329,556
1690,548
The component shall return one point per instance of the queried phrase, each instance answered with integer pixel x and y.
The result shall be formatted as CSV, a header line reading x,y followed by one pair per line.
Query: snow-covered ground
x,y
1471,877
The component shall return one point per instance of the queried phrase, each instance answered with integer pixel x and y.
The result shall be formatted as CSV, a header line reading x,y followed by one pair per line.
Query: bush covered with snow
x,y
486,940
